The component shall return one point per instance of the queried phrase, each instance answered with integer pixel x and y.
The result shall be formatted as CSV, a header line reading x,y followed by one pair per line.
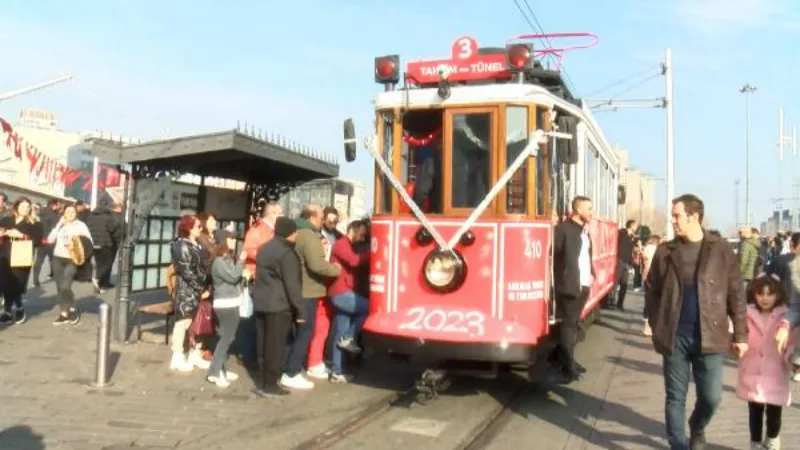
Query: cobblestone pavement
x,y
45,403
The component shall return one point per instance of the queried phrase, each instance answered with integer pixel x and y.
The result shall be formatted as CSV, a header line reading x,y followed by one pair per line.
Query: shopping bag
x,y
246,306
21,253
203,320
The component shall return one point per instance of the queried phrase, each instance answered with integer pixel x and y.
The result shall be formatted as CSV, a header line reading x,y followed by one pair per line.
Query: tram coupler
x,y
430,384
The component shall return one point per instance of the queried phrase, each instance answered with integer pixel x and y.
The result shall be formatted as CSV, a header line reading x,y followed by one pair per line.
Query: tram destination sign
x,y
467,63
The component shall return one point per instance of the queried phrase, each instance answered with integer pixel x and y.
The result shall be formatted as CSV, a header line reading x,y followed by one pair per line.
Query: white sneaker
x,y
180,363
230,376
349,345
646,329
772,444
296,382
196,359
339,378
319,372
221,382
796,376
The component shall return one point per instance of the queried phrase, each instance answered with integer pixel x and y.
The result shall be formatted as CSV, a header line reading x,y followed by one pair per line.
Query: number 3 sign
x,y
465,48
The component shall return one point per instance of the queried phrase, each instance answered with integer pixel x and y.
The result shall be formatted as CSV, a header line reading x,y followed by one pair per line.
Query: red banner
x,y
54,172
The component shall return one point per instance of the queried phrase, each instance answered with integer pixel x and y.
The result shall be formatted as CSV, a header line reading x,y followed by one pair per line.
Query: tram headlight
x,y
444,271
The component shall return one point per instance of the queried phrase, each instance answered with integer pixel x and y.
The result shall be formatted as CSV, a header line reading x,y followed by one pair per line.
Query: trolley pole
x,y
747,89
670,179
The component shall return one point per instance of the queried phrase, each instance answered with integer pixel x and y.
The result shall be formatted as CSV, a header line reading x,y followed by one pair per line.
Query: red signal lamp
x,y
519,57
387,69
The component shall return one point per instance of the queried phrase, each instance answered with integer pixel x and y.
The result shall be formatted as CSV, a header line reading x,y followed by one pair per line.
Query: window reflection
x,y
471,162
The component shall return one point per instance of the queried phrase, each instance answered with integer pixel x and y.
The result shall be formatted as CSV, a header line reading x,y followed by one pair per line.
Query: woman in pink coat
x,y
763,371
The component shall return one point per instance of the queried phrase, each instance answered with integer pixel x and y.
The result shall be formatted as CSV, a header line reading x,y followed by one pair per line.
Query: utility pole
x,y
36,87
736,184
670,182
747,89
794,206
665,102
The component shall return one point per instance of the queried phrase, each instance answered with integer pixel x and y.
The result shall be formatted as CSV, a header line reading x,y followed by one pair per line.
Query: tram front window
x,y
421,157
471,159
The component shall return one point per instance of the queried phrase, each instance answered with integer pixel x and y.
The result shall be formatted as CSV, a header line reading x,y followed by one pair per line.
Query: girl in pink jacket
x,y
763,371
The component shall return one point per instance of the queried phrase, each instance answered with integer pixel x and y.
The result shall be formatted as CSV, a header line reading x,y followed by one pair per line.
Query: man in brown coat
x,y
694,285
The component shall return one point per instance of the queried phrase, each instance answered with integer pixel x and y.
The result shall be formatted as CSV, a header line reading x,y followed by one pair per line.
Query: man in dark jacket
x,y
573,272
625,247
277,296
107,231
48,217
781,266
694,285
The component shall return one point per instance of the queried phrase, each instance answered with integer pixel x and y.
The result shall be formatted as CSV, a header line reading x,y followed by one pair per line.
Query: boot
x,y
180,363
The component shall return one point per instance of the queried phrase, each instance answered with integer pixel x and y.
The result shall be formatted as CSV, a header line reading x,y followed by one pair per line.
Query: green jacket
x,y
317,271
748,258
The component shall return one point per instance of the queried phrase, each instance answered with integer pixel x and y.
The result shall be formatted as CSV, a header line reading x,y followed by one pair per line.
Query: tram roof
x,y
231,155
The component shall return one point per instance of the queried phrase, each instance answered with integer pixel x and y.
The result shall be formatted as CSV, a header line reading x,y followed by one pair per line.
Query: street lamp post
x,y
747,89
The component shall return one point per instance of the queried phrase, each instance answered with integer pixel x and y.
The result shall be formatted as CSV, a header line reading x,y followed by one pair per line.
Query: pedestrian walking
x,y
693,286
763,380
625,252
17,227
72,246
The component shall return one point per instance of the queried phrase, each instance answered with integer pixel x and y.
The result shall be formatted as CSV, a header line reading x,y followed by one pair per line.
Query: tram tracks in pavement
x,y
353,424
479,437
482,435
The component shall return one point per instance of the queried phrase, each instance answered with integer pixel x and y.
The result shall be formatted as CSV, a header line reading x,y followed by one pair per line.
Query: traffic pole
x,y
103,341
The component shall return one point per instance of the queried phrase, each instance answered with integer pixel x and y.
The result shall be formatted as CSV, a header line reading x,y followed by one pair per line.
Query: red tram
x,y
477,157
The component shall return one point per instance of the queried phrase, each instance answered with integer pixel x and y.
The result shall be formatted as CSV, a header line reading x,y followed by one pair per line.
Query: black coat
x,y
49,219
781,267
106,228
278,286
191,277
566,250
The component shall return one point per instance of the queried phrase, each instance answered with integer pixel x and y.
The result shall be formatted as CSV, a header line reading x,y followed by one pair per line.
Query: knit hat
x,y
285,227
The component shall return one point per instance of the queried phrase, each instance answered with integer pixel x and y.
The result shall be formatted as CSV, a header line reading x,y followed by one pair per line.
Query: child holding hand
x,y
764,371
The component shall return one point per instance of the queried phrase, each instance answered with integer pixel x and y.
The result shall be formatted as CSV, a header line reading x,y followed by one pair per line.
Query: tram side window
x,y
591,173
541,162
516,141
471,159
601,188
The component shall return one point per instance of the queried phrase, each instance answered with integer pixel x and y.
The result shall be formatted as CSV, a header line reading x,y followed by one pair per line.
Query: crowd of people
x,y
79,244
306,281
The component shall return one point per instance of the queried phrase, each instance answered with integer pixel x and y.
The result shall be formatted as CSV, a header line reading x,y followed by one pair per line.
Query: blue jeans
x,y
707,372
350,311
297,351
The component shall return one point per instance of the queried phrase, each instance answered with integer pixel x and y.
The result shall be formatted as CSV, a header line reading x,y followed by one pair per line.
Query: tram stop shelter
x,y
269,167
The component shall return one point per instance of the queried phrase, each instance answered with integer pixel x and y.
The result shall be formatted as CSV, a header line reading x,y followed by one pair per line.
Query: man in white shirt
x,y
573,274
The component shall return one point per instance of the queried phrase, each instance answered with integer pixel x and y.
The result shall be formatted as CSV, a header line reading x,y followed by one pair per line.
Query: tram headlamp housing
x,y
444,271
423,237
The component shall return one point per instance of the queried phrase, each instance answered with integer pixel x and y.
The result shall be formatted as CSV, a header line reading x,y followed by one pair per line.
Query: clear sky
x,y
150,69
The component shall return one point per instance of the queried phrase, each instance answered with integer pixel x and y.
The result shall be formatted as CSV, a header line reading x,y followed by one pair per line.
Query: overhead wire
x,y
623,80
536,26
